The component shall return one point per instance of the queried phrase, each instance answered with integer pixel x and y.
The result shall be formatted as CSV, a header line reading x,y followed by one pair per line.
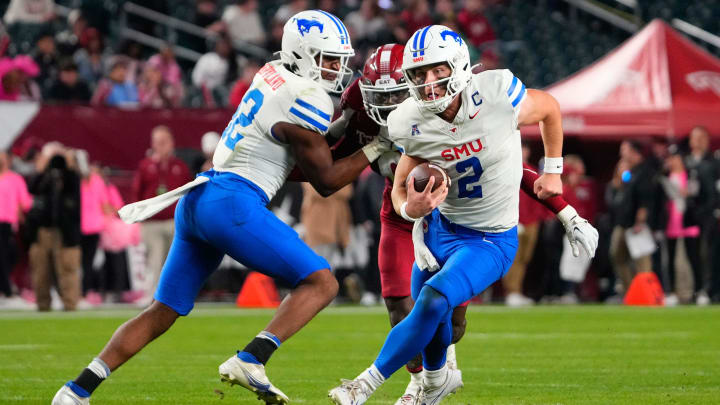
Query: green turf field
x,y
542,355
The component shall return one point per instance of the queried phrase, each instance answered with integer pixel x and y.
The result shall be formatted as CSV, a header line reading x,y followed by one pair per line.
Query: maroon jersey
x,y
359,132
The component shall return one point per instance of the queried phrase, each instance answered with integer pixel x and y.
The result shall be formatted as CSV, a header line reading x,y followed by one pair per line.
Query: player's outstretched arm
x,y
541,108
315,159
578,229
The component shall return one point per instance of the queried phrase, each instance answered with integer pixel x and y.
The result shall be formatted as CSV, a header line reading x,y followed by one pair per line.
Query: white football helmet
x,y
310,35
431,45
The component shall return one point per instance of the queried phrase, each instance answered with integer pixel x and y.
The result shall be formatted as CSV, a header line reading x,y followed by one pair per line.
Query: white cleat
x,y
410,398
433,395
66,396
412,392
350,392
252,377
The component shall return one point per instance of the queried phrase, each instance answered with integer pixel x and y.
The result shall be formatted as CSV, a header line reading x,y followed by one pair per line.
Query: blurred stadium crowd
x,y
59,204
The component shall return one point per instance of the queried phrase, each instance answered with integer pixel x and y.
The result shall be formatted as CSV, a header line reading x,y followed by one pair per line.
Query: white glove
x,y
377,147
387,163
423,257
578,231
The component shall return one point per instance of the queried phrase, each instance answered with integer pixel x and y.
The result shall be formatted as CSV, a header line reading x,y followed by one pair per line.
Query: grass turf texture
x,y
542,355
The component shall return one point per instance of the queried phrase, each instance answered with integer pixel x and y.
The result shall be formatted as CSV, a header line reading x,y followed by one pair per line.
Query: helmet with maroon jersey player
x,y
382,83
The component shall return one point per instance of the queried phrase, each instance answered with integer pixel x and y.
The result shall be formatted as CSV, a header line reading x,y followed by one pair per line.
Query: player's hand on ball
x,y
580,232
548,185
422,203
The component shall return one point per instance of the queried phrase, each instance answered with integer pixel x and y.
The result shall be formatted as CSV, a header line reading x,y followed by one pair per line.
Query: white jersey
x,y
480,149
247,146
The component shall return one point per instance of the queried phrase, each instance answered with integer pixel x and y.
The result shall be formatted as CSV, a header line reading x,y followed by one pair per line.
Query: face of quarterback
x,y
329,63
429,74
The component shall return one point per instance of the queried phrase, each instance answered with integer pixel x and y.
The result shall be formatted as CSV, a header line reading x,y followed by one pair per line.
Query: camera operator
x,y
55,217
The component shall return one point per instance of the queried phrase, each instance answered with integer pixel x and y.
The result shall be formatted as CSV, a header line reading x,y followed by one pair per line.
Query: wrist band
x,y
553,165
405,215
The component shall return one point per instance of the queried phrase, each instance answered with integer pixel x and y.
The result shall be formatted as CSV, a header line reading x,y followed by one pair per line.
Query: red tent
x,y
655,83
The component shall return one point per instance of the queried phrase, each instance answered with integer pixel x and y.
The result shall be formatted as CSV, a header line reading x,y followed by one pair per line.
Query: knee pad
x,y
433,304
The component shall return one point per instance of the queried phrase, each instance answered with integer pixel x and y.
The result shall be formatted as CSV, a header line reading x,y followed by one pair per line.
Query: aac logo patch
x,y
414,131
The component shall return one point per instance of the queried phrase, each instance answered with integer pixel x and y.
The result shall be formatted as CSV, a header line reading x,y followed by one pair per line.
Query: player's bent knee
x,y
398,308
162,316
325,282
432,303
458,328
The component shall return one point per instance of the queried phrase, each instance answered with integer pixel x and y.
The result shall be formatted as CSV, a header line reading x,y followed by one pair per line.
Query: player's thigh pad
x,y
395,260
189,263
470,261
255,237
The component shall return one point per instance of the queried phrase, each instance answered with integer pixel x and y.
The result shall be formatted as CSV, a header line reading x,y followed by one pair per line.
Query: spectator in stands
x,y
215,69
206,16
631,204
477,28
531,213
14,203
243,83
29,12
16,79
165,62
116,91
115,238
416,15
242,23
68,87
444,10
132,51
68,40
288,10
675,187
208,143
364,22
157,174
46,57
90,58
701,200
56,216
327,223
154,92
94,204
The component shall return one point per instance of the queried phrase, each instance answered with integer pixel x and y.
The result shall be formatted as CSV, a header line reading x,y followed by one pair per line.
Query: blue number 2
x,y
229,137
466,190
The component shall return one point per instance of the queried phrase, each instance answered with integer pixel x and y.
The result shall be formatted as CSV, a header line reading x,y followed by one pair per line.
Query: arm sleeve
x,y
554,204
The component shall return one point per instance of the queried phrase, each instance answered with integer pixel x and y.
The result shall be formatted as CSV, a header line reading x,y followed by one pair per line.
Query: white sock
x,y
372,377
99,368
450,356
416,380
436,378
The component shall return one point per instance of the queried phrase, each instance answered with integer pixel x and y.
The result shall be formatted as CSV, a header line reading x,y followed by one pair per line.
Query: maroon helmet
x,y
382,83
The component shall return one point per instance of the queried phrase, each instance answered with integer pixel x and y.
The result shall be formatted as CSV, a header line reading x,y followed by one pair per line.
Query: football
x,y
422,174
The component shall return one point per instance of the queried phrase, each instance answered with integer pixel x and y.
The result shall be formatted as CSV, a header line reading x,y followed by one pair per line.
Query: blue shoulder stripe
x,y
338,24
512,86
312,108
307,119
519,96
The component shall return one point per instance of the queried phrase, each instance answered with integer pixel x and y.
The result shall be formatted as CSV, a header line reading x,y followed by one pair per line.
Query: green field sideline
x,y
541,355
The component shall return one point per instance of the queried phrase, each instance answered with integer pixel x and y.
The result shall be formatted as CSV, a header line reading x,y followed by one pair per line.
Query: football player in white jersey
x,y
279,124
468,125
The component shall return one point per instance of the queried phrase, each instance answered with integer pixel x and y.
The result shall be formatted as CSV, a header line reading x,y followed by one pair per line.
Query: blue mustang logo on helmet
x,y
304,25
451,34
